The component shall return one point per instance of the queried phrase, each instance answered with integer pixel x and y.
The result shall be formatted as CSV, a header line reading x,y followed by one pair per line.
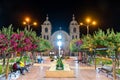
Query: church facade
x,y
74,33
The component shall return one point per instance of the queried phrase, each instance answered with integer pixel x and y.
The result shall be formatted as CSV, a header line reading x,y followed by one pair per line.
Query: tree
x,y
6,34
44,45
111,41
75,45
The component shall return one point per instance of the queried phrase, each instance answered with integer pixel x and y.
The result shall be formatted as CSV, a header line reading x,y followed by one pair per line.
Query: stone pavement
x,y
81,71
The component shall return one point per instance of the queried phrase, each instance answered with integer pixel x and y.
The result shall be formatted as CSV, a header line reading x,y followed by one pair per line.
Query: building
x,y
74,33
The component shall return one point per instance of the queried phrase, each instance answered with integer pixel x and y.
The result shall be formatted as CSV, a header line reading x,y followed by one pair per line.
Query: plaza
x,y
81,72
59,55
59,40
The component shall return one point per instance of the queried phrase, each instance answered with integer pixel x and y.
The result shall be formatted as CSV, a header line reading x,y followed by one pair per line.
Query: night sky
x,y
105,12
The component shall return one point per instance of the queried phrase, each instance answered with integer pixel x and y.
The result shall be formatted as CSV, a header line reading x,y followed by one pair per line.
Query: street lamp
x,y
59,43
89,22
27,22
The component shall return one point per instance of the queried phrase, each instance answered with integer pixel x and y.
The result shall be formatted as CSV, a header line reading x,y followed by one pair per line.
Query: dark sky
x,y
105,12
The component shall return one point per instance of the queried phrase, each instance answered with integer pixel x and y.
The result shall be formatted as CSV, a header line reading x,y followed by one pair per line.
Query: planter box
x,y
66,73
60,74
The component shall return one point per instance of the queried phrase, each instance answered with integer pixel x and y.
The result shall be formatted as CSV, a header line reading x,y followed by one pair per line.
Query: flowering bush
x,y
3,43
79,43
75,45
16,42
19,42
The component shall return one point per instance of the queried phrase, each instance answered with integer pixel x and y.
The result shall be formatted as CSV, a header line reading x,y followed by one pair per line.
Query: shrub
x,y
1,71
118,71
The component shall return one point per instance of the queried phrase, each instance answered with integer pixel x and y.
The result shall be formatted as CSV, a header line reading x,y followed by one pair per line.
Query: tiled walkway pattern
x,y
82,72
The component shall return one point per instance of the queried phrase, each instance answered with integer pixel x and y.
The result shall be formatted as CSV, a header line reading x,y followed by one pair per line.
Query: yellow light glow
x,y
88,20
27,19
94,23
81,23
35,23
90,49
24,23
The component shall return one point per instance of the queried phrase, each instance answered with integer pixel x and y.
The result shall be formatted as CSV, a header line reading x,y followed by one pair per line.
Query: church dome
x,y
47,22
73,22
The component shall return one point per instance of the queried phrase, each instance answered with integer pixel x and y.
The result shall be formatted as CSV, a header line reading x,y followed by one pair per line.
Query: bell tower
x,y
46,29
74,29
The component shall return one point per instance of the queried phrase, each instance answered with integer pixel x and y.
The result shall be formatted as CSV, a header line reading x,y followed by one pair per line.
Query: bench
x,y
14,73
28,65
106,69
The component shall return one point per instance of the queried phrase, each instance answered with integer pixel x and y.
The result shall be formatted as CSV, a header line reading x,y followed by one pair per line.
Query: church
x,y
74,33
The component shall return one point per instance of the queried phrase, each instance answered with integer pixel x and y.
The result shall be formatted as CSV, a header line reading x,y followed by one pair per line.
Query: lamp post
x,y
27,22
59,43
89,22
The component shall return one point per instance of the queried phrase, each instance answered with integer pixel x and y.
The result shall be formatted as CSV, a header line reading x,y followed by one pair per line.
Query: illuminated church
x,y
74,33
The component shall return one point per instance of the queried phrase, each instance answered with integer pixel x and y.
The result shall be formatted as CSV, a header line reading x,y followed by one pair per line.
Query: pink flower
x,y
27,40
19,50
79,43
15,36
20,36
2,36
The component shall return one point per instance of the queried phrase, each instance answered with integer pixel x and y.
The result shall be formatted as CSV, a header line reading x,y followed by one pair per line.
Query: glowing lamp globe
x,y
59,43
59,37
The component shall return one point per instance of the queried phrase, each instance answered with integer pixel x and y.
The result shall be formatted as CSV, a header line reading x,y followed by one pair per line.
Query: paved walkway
x,y
82,72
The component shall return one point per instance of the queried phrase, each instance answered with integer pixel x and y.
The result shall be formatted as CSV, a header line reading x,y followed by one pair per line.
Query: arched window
x,y
47,37
48,24
46,30
74,30
72,24
72,36
44,37
76,36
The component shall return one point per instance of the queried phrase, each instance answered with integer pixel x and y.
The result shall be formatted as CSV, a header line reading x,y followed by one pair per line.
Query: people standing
x,y
80,57
39,58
